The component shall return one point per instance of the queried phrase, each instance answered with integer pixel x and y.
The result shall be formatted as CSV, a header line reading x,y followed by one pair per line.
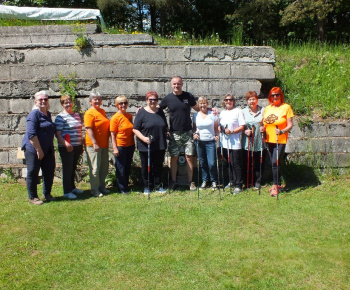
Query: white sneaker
x,y
104,190
161,190
70,195
237,190
97,194
77,191
146,191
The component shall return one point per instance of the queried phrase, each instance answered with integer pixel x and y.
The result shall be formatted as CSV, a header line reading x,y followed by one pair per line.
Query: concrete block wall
x,y
31,59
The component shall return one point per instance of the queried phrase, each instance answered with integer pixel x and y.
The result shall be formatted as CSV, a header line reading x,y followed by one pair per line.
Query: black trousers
x,y
254,167
276,170
47,166
156,168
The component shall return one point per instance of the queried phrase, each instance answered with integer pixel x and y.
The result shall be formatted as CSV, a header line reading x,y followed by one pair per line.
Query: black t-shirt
x,y
151,124
179,110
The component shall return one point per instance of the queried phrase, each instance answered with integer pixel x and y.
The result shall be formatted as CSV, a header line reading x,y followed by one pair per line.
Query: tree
x,y
317,10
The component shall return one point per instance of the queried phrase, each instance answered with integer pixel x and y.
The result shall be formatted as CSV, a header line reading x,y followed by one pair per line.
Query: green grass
x,y
315,79
177,241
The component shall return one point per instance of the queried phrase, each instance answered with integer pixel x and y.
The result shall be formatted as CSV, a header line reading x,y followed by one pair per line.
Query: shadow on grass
x,y
299,176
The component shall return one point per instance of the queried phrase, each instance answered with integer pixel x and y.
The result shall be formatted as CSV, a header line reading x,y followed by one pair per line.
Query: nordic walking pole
x,y
248,163
168,163
252,155
228,162
149,164
261,159
277,162
222,168
217,167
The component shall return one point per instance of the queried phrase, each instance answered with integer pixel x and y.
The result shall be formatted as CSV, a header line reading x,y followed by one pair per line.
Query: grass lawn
x,y
177,241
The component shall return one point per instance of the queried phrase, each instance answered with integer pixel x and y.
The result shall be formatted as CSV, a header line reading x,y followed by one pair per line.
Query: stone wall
x,y
32,58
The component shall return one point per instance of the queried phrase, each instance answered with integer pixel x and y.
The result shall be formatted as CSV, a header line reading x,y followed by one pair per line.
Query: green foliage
x,y
7,176
177,241
68,86
81,41
315,79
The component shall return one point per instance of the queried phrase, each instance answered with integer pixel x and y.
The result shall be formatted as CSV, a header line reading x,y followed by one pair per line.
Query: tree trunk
x,y
320,29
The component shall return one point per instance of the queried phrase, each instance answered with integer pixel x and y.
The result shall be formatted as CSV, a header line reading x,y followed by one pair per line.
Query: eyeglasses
x,y
123,103
153,100
228,100
275,95
43,100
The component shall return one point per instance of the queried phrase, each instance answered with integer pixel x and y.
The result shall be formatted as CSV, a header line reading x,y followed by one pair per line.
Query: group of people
x,y
242,136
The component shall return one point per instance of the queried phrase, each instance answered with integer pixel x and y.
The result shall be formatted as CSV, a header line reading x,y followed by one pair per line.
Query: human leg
x,y
104,165
211,160
92,160
33,167
67,160
144,165
202,156
120,168
276,176
48,165
237,167
157,159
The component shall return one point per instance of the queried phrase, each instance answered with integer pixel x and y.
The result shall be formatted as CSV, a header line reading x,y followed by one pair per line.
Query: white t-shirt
x,y
232,119
205,127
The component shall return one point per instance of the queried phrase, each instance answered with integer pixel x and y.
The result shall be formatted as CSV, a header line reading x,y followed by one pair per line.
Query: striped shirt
x,y
72,125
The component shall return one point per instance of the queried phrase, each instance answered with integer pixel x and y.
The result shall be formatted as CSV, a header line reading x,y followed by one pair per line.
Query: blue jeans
x,y
123,166
207,158
47,165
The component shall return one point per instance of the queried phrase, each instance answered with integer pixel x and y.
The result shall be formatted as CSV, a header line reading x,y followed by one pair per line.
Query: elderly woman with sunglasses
x,y
231,125
123,143
38,148
151,128
278,121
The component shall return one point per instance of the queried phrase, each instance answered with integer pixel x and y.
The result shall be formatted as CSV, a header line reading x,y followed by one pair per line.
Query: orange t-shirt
x,y
97,120
122,125
277,116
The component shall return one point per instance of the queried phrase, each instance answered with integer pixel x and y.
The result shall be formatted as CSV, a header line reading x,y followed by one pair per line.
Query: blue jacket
x,y
40,125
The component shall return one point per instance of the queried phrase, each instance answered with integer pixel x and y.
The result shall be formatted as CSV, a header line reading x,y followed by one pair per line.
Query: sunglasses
x,y
153,100
43,100
123,103
228,100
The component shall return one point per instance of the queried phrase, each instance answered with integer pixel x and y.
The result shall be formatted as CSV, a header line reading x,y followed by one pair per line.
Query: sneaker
x,y
273,191
97,194
229,185
214,185
36,201
193,186
70,195
203,185
161,190
77,191
49,198
104,190
237,190
125,192
146,191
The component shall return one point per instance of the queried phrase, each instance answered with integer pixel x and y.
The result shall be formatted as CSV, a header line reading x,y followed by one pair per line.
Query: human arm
x,y
92,138
63,142
287,128
114,144
141,136
34,141
216,130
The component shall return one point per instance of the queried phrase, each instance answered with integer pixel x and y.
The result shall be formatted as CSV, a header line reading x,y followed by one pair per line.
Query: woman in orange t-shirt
x,y
278,121
97,143
123,143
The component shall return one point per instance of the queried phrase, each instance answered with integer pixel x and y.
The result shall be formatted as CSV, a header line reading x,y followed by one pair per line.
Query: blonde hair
x,y
202,99
120,99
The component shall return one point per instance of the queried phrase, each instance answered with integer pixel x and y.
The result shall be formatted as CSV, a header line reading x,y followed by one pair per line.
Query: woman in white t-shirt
x,y
205,127
231,125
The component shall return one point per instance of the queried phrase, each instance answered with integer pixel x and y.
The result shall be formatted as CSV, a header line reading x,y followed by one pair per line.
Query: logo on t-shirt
x,y
271,119
185,101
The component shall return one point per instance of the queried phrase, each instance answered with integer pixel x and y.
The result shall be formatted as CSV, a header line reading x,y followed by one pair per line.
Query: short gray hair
x,y
41,93
94,94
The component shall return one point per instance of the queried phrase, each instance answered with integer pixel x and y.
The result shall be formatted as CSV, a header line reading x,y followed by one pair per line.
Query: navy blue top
x,y
40,125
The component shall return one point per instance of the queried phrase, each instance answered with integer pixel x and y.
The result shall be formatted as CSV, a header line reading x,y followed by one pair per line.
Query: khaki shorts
x,y
181,139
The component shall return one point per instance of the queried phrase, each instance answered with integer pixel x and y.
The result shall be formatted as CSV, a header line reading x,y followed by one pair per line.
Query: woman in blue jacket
x,y
38,148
